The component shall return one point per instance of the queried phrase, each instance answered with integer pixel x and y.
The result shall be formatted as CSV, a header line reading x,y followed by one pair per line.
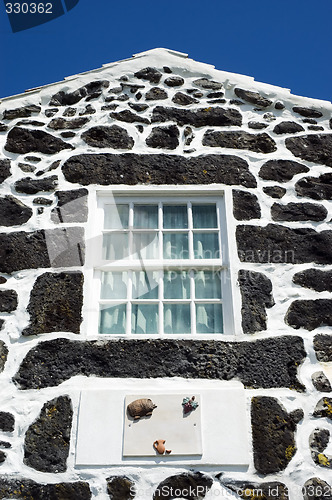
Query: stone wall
x,y
159,119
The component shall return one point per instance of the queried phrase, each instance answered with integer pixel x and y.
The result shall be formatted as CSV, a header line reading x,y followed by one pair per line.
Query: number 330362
x,y
29,8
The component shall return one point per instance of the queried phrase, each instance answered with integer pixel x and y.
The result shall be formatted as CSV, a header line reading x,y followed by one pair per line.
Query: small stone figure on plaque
x,y
141,408
189,405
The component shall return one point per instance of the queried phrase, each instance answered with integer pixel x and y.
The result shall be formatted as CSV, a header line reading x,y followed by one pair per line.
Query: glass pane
x,y
209,318
207,285
116,217
144,318
145,245
145,285
204,216
206,246
177,318
146,216
114,285
113,319
115,246
175,245
176,285
175,217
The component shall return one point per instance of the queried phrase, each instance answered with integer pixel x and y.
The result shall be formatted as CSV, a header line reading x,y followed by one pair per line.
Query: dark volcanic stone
x,y
2,280
324,408
253,97
317,188
214,95
256,292
315,127
26,167
310,120
129,117
33,186
69,112
33,123
316,489
309,314
150,74
255,491
7,422
281,170
245,205
202,117
188,485
298,212
307,112
39,249
3,127
273,432
35,159
72,206
120,488
314,278
20,140
46,445
5,444
2,457
279,105
3,359
8,300
288,128
131,169
55,303
24,112
260,143
42,201
51,112
183,99
2,322
167,69
4,170
61,123
321,382
164,137
276,243
89,110
204,83
266,363
319,439
174,81
314,148
274,191
257,125
30,490
155,94
13,212
108,137
136,106
323,348
68,134
93,89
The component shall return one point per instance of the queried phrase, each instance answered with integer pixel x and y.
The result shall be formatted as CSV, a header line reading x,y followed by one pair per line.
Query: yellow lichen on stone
x,y
290,450
328,407
323,460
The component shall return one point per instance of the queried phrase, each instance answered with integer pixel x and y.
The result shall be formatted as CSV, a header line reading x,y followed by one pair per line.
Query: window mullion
x,y
129,301
190,227
192,302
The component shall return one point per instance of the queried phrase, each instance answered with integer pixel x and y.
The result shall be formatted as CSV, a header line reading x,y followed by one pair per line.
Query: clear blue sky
x,y
284,42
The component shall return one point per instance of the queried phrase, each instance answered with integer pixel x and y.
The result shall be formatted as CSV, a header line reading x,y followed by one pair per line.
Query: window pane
x,y
145,245
175,245
116,216
144,318
206,246
113,319
177,318
175,216
176,285
145,285
115,246
114,285
204,216
209,318
207,285
146,216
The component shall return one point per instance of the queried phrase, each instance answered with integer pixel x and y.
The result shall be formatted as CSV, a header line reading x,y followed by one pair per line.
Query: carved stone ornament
x,y
141,408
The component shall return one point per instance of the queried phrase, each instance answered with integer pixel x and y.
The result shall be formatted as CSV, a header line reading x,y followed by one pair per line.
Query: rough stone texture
x,y
192,485
318,441
314,148
150,74
3,127
8,300
7,422
72,206
108,137
263,363
13,212
131,169
26,167
2,322
51,112
42,201
273,435
56,303
316,489
39,249
61,123
245,205
253,97
317,188
120,488
91,90
33,123
323,348
257,125
46,445
3,355
33,186
281,170
21,140
315,279
128,116
323,408
258,491
256,292
307,112
309,314
276,243
89,110
183,99
68,134
202,117
204,83
164,137
136,106
174,81
259,143
155,94
274,191
321,382
298,212
27,489
24,112
288,128
2,457
4,170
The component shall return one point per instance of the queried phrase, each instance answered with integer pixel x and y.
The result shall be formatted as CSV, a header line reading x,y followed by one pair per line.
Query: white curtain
x,y
144,318
177,318
113,319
